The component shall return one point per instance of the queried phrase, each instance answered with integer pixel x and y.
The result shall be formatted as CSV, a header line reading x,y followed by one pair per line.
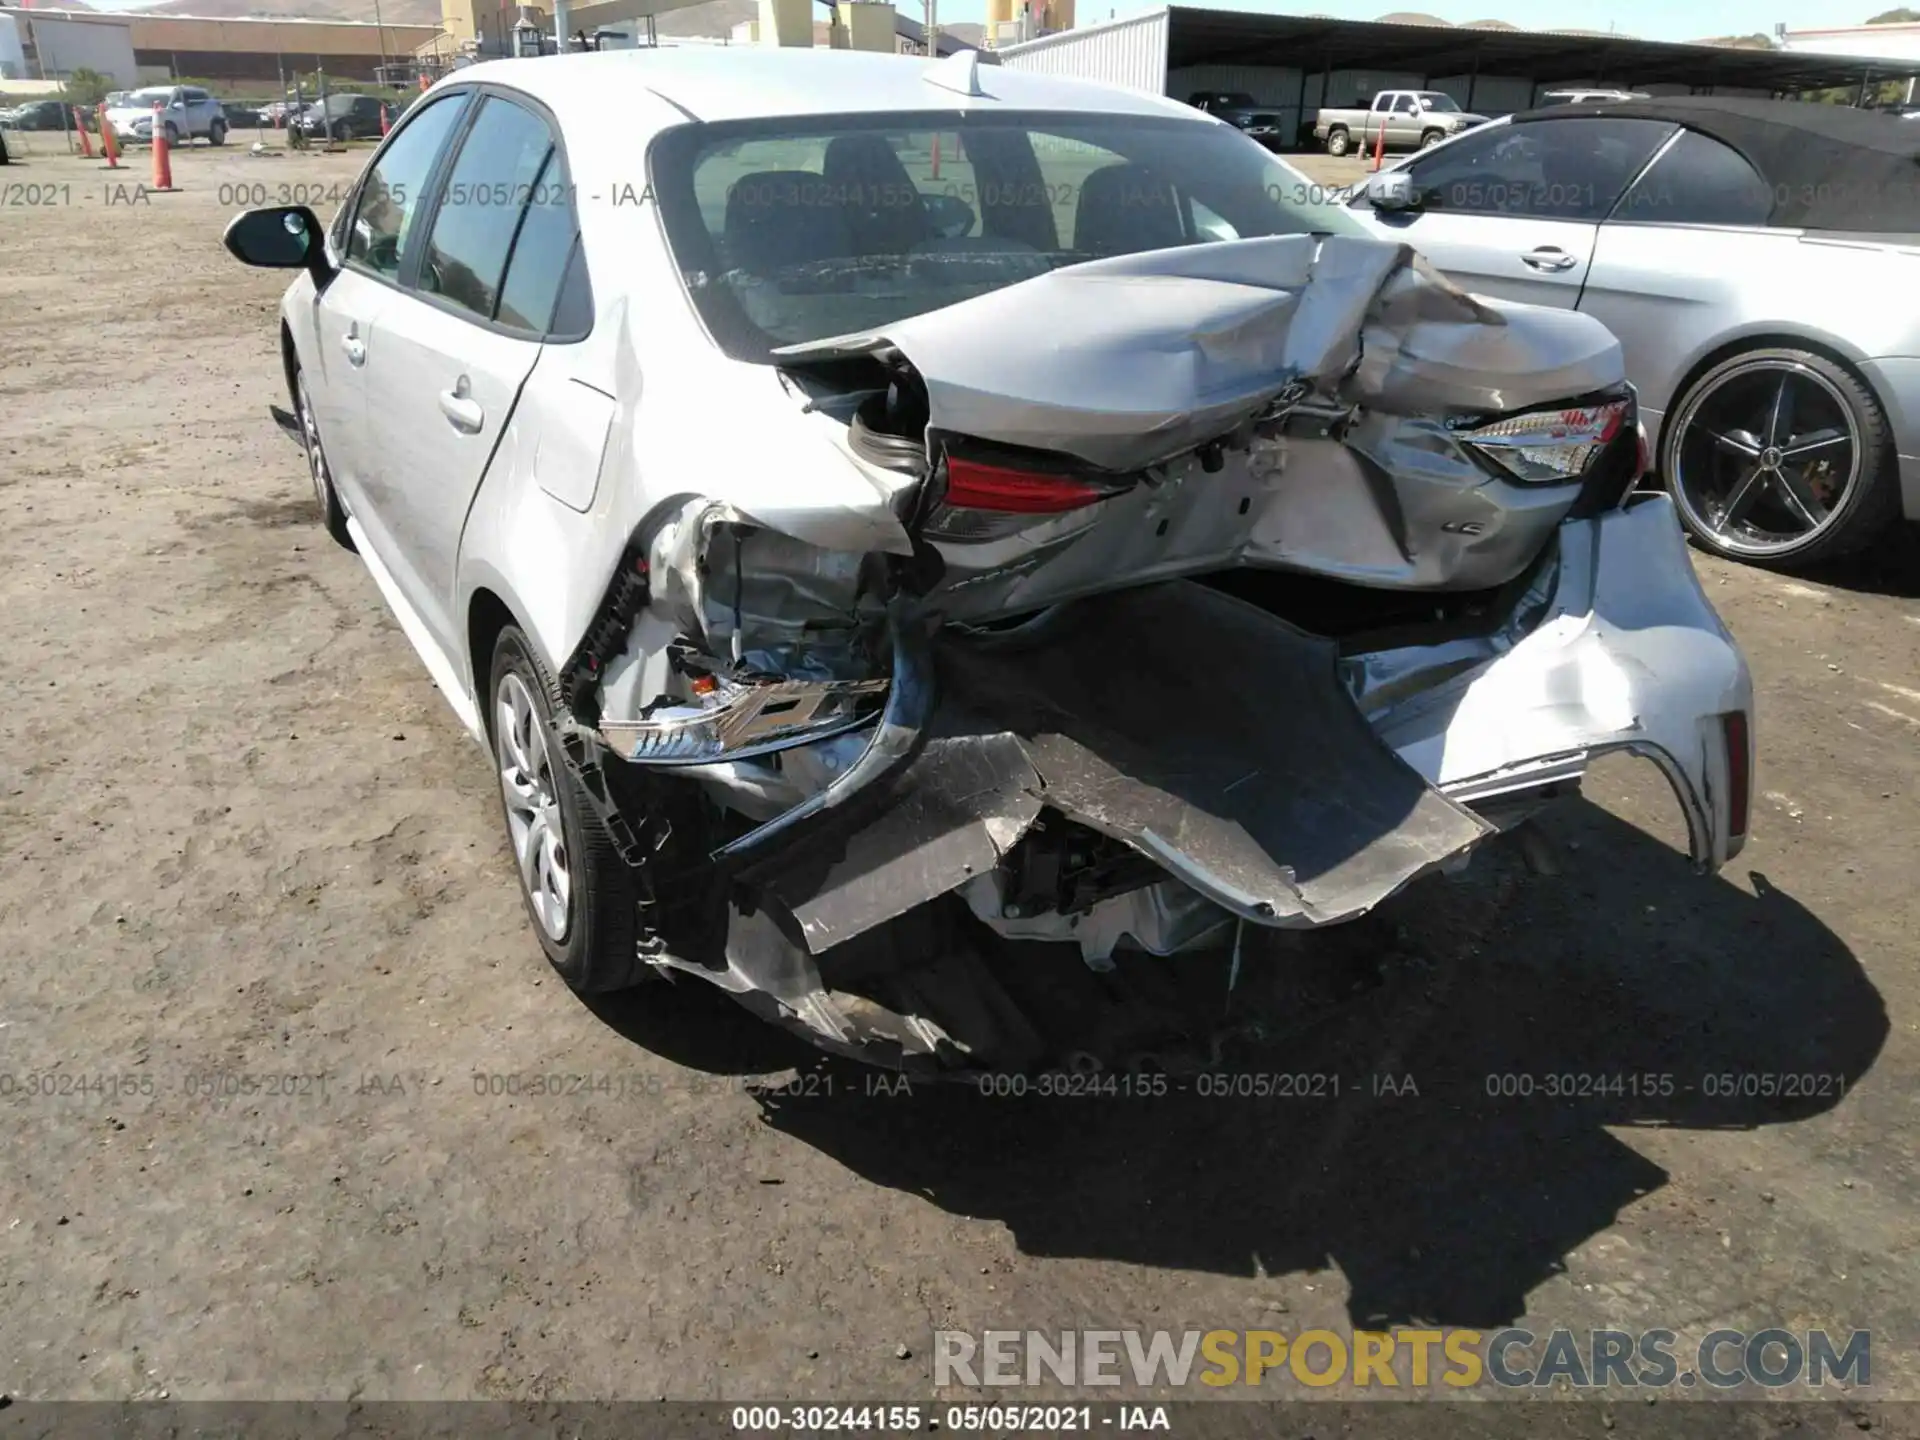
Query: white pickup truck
x,y
1409,119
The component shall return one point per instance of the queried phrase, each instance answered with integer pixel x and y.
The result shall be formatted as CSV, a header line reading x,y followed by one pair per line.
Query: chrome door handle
x,y
356,349
461,409
1549,257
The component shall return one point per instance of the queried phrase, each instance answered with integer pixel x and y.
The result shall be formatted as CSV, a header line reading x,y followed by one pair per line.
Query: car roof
x,y
740,82
1830,167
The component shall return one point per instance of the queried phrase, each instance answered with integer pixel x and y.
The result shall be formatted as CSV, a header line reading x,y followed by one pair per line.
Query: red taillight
x,y
974,486
1733,725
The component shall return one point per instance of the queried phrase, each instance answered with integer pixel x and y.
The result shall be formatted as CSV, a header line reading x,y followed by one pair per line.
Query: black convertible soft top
x,y
1829,167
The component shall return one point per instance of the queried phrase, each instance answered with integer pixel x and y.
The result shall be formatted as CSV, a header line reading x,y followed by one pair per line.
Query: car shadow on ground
x,y
1454,1148
1890,566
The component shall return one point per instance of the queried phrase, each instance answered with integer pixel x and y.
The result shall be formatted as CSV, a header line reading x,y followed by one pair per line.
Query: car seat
x,y
1125,209
777,219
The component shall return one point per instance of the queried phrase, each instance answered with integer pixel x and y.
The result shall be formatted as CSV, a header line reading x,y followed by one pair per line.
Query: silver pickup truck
x,y
1409,118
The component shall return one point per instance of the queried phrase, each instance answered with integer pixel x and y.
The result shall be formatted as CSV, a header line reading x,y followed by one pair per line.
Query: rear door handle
x,y
461,409
1549,257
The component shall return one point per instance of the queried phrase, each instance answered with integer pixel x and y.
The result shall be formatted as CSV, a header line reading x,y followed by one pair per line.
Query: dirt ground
x,y
245,840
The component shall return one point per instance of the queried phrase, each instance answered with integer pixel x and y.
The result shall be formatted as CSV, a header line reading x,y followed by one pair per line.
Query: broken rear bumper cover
x,y
1272,779
1628,656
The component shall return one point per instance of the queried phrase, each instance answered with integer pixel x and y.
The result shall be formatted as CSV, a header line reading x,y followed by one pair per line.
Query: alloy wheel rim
x,y
1766,457
316,458
533,809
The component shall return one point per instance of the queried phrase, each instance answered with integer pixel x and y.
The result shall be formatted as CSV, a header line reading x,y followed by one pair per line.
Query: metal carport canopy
x,y
1314,44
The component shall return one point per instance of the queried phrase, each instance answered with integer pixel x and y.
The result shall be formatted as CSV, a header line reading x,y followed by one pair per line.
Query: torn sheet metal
x,y
1130,361
1237,762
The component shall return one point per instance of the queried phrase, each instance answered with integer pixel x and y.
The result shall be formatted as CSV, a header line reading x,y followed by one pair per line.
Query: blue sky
x,y
1648,19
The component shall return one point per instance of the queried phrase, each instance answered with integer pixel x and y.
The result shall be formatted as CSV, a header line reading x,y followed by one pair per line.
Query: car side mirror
x,y
280,237
1391,190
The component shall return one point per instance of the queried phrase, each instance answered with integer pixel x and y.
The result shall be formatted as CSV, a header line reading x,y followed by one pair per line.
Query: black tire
x,y
173,135
217,133
597,951
332,514
1431,138
1866,508
1339,142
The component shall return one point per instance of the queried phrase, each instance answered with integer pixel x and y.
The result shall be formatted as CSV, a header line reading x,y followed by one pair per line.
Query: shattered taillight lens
x,y
1550,447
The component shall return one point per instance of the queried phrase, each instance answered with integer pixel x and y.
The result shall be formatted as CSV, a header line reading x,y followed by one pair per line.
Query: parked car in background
x,y
186,112
41,115
1388,533
342,117
1589,97
1419,118
1757,259
1244,113
242,115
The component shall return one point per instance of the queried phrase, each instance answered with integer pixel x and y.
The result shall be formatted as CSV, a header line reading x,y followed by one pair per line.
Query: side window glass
x,y
540,254
1403,105
1572,169
1697,181
390,196
487,192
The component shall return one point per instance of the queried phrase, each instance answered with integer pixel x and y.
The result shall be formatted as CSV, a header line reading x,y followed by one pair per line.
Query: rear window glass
x,y
794,230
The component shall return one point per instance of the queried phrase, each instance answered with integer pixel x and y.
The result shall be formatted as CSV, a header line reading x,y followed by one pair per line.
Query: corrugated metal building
x,y
1297,64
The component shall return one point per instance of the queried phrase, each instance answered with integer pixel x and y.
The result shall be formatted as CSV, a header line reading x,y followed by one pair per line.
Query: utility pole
x,y
381,25
933,29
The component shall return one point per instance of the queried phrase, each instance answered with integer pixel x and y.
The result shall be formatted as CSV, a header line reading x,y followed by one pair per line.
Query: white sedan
x,y
877,511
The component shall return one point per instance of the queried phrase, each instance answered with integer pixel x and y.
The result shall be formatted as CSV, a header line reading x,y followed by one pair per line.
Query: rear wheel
x,y
332,514
576,888
217,133
1781,457
173,134
1339,142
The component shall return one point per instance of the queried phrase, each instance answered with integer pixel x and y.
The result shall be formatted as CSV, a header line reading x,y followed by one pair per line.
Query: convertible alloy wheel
x,y
527,783
332,514
1778,457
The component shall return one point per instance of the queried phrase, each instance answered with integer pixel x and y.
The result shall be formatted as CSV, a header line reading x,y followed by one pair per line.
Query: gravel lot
x,y
245,838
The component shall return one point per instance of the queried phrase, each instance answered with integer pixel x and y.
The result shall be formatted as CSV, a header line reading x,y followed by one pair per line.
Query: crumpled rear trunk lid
x,y
1282,402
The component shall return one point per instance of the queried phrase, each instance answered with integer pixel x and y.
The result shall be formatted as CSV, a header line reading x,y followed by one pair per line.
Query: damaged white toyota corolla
x,y
877,512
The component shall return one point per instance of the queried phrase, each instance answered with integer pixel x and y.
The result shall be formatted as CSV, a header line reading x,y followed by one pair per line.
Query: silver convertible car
x,y
887,519
1756,258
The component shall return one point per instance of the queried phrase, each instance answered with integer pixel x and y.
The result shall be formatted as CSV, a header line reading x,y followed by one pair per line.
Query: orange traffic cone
x,y
162,156
385,123
80,124
1380,145
107,145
